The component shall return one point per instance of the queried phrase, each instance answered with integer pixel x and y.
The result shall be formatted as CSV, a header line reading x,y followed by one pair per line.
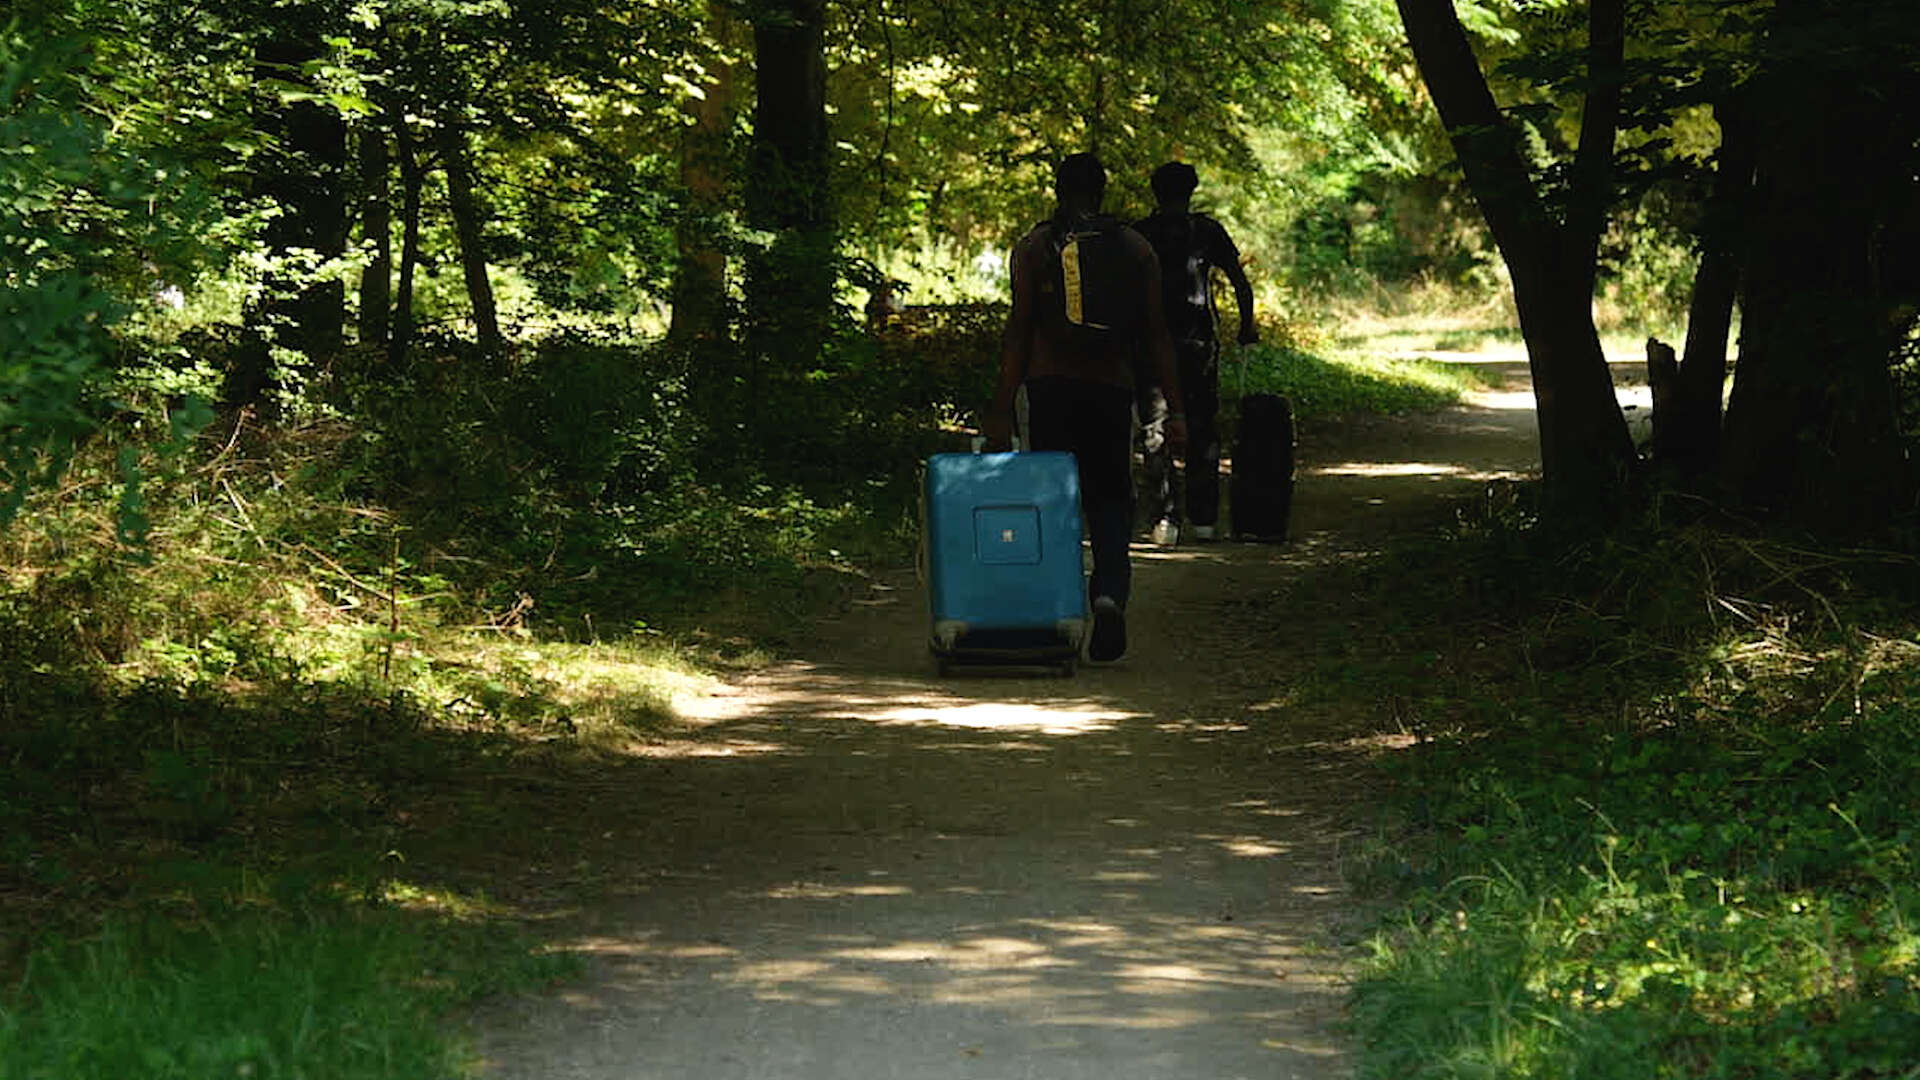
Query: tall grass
x,y
344,995
1660,820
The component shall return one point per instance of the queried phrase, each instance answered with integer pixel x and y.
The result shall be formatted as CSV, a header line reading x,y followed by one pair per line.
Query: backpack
x,y
1185,285
1093,276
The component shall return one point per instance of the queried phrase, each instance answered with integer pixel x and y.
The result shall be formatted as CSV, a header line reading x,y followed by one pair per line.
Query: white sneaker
x,y
1166,532
1203,533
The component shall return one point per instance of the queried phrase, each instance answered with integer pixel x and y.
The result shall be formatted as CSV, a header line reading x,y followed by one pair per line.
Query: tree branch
x,y
1487,144
1593,163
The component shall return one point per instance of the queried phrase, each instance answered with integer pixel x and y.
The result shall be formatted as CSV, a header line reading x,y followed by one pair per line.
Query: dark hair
x,y
1080,175
1174,181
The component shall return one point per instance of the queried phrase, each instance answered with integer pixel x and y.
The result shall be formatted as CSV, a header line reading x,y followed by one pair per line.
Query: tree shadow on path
x,y
846,867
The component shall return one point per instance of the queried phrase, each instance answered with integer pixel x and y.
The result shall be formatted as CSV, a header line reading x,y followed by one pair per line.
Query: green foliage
x,y
350,994
950,135
52,313
1647,263
76,214
1344,381
1661,814
571,103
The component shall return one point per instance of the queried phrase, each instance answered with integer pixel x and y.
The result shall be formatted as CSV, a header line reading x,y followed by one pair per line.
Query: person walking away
x,y
1188,247
1086,312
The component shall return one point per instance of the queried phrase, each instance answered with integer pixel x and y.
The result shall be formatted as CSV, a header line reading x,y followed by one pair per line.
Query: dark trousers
x,y
1095,423
1199,368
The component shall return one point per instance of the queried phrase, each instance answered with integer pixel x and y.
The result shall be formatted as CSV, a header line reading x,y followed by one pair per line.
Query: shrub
x,y
1660,813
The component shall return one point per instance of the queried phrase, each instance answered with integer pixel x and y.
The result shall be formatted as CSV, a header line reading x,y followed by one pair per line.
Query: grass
x,y
259,770
1350,360
1659,819
278,747
1359,380
340,993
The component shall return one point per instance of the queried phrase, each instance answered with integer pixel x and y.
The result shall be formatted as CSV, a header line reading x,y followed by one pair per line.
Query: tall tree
x,y
413,179
700,278
790,280
376,234
1830,279
1552,254
469,223
1688,389
304,177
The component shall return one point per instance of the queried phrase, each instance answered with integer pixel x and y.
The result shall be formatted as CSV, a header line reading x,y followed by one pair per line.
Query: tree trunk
x,y
1687,390
1811,430
469,224
1585,450
790,283
700,275
376,231
305,179
1663,378
412,179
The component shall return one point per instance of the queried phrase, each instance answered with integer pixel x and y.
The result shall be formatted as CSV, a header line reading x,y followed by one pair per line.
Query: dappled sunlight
x,y
814,891
1631,395
1195,976
1180,555
1167,927
1387,468
1502,400
696,748
996,872
1371,469
801,689
1202,727
1251,847
1075,720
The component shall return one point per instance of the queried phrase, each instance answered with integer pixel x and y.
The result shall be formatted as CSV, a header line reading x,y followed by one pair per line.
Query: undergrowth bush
x,y
1660,814
328,611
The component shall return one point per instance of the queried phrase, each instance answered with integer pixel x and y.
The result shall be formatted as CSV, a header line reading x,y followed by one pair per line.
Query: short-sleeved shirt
x,y
1188,247
1056,350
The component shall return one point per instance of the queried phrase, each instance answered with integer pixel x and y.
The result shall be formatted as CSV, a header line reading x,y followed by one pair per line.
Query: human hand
x,y
1175,431
997,426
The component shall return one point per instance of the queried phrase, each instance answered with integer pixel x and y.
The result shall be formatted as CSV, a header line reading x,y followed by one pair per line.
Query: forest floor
x,y
845,867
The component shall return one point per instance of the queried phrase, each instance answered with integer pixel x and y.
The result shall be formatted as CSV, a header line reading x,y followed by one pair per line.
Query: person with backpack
x,y
1189,246
1086,315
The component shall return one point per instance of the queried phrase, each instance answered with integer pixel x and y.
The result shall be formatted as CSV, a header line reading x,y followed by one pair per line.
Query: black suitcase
x,y
1261,492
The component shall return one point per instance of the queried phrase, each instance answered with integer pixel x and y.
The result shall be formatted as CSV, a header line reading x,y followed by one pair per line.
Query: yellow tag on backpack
x,y
1070,273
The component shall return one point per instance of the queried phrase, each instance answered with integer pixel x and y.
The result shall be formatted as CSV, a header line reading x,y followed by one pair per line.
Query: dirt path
x,y
851,869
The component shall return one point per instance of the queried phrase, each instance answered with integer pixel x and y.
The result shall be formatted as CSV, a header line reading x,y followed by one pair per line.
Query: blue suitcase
x,y
1002,548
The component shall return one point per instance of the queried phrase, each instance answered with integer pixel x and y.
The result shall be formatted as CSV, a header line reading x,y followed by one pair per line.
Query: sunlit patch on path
x,y
814,689
846,867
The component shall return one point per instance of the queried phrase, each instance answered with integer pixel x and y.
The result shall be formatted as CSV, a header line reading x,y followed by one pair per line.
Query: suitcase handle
x,y
1019,440
979,443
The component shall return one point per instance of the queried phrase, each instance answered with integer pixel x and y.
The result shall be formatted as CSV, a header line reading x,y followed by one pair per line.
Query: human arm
x,y
1016,353
1227,258
1243,299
